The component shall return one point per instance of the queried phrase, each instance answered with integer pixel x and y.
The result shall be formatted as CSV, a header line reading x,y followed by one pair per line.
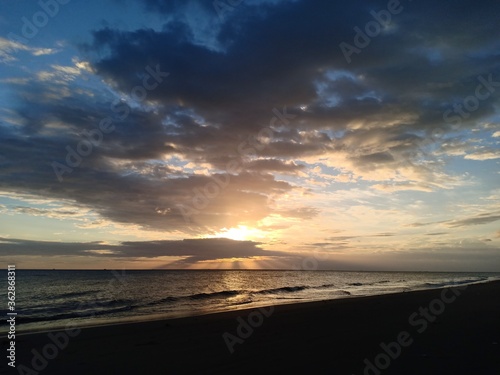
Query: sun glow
x,y
239,233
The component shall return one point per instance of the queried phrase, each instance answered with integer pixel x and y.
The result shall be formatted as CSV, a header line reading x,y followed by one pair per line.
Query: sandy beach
x,y
442,331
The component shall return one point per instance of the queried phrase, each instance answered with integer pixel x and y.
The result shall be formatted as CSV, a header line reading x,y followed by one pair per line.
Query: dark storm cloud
x,y
194,249
121,179
197,249
17,247
272,55
141,193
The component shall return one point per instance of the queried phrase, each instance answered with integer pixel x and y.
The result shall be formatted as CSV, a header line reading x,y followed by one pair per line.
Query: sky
x,y
227,134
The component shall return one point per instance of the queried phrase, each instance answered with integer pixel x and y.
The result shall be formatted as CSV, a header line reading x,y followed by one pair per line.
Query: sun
x,y
239,233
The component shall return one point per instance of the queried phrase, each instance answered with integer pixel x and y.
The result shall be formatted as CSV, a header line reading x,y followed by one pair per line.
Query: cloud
x,y
291,74
273,165
129,157
476,220
335,239
417,225
303,213
484,155
59,74
194,249
272,66
9,48
403,186
52,213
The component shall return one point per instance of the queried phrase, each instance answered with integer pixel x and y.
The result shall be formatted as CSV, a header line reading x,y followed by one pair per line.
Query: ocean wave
x,y
161,301
234,293
451,283
376,282
284,289
240,303
74,294
57,308
72,315
343,292
198,296
327,286
224,293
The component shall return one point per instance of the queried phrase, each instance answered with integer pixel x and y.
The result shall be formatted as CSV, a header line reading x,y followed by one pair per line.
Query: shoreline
x,y
163,316
304,336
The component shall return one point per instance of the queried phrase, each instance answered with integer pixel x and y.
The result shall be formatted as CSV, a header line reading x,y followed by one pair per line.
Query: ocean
x,y
51,299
